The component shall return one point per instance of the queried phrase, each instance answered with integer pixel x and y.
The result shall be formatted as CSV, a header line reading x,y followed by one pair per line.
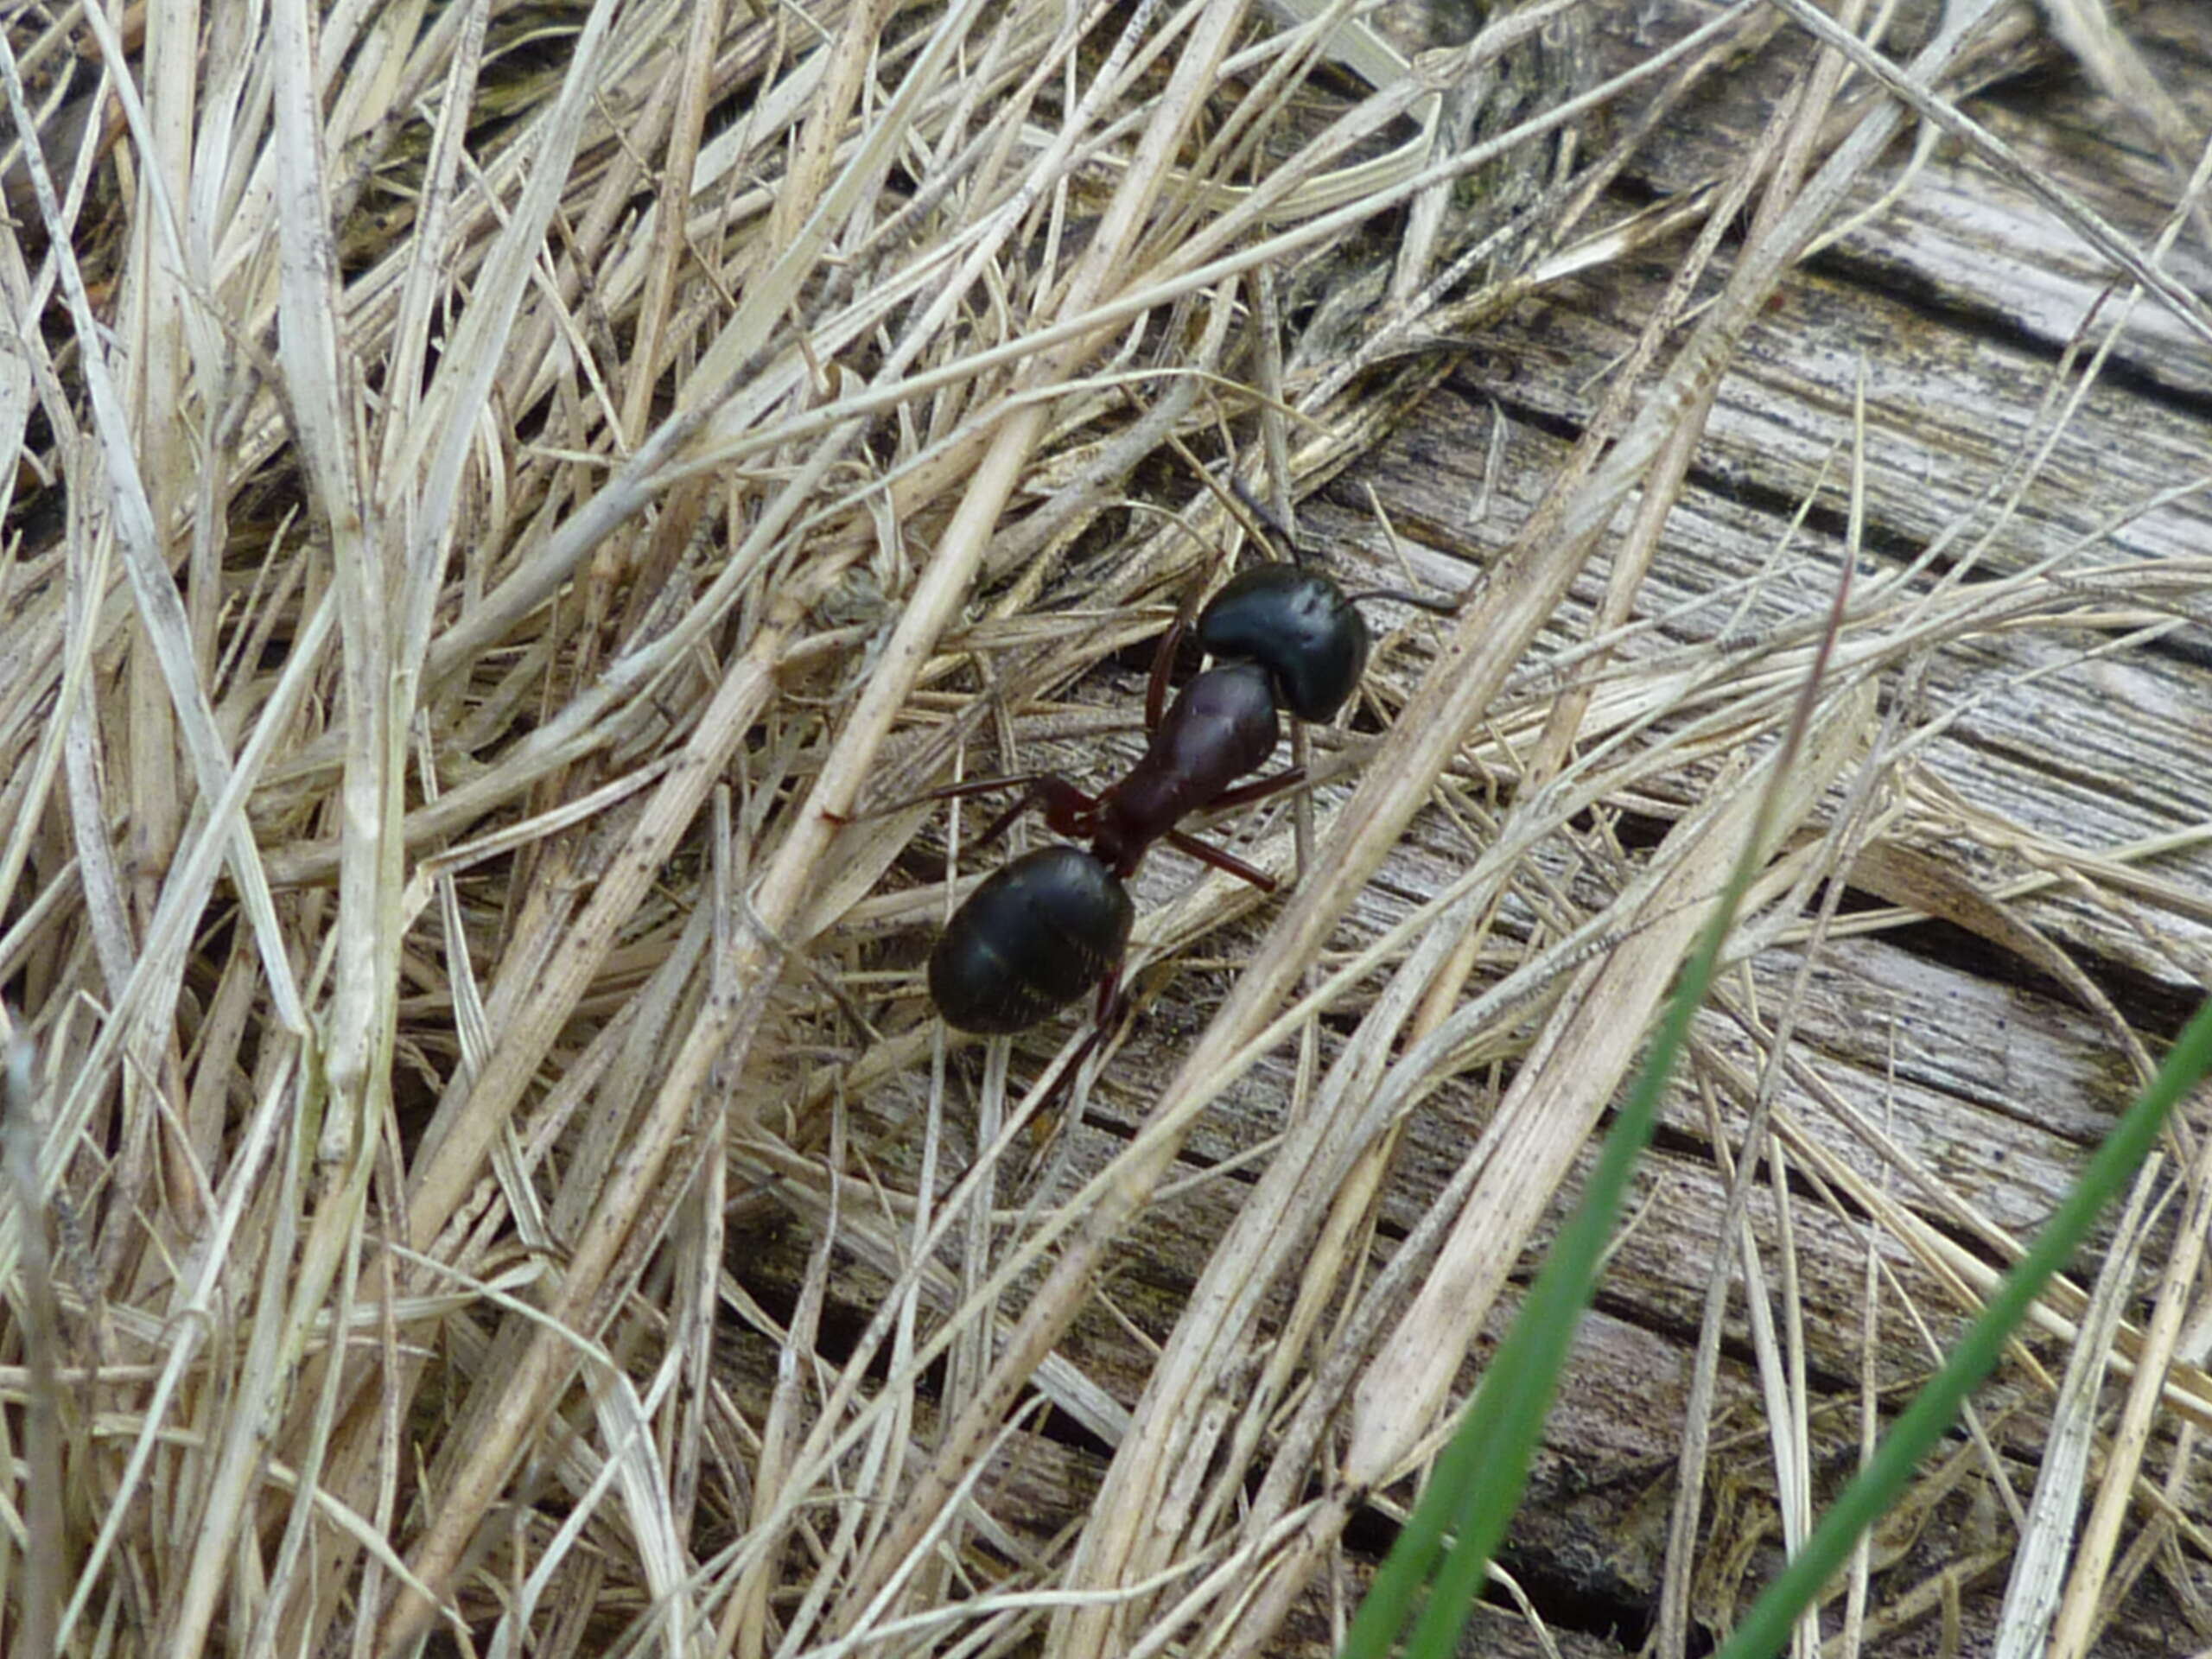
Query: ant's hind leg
x,y
1113,1008
1113,1000
1024,781
1062,801
1067,808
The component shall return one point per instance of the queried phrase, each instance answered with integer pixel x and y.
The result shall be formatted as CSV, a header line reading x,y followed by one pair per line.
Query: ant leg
x,y
1021,781
1244,795
1207,853
1163,660
1163,663
1004,822
976,786
1067,810
1258,790
1113,1007
1283,536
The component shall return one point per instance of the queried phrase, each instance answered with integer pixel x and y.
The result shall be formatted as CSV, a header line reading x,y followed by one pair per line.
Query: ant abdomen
x,y
1030,940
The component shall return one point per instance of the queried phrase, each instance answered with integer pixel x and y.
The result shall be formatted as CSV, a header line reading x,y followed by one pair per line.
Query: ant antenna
x,y
1281,533
1418,602
1274,531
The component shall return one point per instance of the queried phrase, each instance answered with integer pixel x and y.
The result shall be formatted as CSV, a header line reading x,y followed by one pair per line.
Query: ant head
x,y
1297,624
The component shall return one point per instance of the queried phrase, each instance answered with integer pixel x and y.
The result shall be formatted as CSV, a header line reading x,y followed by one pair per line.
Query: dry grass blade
x,y
2038,1571
45,1564
498,487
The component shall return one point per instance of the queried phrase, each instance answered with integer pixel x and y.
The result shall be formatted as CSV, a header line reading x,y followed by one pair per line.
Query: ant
x,y
1047,927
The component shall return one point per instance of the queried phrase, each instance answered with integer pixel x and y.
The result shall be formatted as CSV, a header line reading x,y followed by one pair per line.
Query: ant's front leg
x,y
1163,660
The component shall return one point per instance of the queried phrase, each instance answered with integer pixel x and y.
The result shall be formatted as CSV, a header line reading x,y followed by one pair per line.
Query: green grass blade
x,y
1478,1481
1478,1478
1937,1406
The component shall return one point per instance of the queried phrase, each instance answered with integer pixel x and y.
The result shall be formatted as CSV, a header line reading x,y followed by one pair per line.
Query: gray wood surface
x,y
1963,305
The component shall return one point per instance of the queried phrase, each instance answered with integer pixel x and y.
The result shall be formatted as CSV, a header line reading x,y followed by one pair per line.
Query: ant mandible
x,y
1055,922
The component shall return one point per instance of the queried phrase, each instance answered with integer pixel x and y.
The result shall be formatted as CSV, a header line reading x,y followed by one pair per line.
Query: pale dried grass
x,y
478,587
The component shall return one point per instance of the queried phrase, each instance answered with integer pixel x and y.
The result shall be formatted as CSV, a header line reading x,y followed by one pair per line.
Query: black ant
x,y
1049,926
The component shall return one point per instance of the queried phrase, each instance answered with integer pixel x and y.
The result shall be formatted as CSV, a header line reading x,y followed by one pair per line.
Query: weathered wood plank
x,y
1983,459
